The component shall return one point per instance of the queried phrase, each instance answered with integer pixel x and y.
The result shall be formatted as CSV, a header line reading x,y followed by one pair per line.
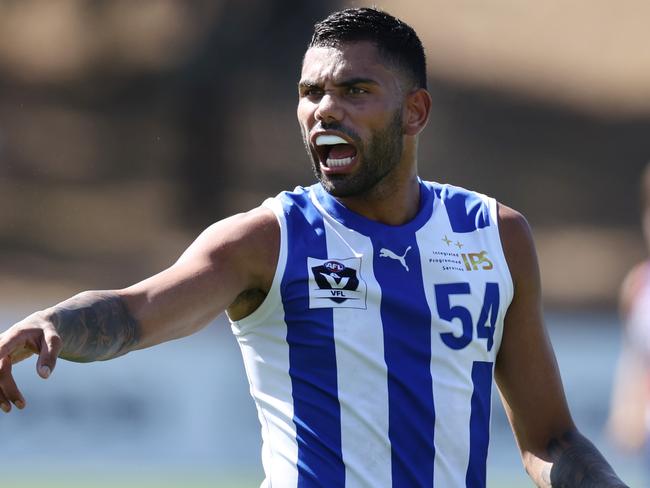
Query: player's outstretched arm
x,y
554,453
233,257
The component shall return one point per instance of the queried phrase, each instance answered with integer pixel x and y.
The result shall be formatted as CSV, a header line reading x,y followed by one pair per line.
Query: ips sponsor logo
x,y
477,260
336,283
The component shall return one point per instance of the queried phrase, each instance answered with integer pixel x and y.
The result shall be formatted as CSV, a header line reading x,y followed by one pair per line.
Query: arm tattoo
x,y
578,464
94,326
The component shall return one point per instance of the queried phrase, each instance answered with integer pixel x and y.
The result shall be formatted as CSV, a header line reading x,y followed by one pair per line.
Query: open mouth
x,y
334,152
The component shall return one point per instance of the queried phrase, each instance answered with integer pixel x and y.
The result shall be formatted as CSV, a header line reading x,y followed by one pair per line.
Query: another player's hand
x,y
33,335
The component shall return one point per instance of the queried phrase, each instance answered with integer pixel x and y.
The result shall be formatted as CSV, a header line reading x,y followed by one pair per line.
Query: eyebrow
x,y
344,83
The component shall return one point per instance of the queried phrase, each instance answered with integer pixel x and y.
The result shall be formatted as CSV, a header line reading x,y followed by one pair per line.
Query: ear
x,y
417,108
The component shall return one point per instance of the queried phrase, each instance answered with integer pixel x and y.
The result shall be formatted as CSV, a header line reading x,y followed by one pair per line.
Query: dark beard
x,y
378,158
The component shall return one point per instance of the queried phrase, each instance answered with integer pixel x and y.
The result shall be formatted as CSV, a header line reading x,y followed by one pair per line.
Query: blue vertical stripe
x,y
479,424
406,320
312,356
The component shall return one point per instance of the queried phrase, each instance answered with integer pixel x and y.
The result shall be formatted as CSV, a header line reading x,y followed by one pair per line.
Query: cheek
x,y
375,117
305,114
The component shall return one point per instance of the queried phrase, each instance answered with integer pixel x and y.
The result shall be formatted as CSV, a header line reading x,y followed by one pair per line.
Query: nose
x,y
329,109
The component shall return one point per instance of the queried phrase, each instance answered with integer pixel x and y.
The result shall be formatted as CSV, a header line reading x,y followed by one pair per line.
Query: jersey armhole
x,y
257,317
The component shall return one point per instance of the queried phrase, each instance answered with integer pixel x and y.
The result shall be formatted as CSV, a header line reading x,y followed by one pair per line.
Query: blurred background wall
x,y
127,127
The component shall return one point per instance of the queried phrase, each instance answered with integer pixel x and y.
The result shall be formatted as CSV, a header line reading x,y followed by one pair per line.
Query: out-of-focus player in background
x,y
629,421
373,309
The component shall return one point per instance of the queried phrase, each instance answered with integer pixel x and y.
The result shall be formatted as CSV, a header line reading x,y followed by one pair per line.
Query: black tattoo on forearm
x,y
94,326
578,464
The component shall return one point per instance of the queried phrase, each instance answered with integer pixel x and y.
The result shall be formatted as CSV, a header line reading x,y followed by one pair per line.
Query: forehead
x,y
346,61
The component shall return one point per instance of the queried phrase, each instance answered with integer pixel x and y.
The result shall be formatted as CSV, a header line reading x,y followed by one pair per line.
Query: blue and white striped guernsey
x,y
371,359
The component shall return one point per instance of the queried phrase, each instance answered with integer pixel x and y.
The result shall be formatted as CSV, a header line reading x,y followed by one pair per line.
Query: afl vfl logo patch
x,y
336,283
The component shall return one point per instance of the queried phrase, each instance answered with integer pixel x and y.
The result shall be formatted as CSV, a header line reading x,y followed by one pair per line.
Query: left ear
x,y
417,108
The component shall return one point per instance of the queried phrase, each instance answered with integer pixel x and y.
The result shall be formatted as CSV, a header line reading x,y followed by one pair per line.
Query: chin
x,y
342,187
334,188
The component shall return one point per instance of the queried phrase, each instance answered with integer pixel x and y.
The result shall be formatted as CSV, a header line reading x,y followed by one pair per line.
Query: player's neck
x,y
394,201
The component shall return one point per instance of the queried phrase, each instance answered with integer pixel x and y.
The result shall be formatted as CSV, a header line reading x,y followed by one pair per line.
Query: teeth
x,y
337,163
329,140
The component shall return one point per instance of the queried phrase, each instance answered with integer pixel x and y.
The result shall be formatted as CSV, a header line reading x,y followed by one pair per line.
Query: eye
x,y
311,92
357,90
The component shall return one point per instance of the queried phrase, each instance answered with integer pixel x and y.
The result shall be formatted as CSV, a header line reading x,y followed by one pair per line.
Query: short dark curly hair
x,y
396,40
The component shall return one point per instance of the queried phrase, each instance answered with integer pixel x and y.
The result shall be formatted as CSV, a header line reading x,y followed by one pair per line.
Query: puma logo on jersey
x,y
387,253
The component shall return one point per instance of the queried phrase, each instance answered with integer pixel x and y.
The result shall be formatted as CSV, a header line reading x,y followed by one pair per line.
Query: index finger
x,y
9,391
51,345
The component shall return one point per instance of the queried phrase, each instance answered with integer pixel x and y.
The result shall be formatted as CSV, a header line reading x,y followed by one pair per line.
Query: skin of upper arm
x,y
526,371
230,257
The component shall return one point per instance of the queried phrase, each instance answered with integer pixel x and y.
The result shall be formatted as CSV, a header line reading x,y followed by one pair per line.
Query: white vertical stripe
x,y
362,373
450,370
271,389
262,340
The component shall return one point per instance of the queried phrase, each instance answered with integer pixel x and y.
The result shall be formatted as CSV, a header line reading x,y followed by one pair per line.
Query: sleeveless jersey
x,y
371,359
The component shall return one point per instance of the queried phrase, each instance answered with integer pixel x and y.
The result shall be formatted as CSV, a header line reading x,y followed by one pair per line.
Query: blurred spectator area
x,y
126,127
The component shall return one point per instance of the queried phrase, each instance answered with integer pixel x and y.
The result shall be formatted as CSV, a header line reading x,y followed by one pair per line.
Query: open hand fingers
x,y
9,392
33,335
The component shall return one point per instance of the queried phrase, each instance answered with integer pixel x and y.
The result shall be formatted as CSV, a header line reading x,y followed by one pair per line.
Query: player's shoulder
x,y
299,199
464,204
450,193
468,210
244,237
517,243
512,223
253,232
255,223
635,280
